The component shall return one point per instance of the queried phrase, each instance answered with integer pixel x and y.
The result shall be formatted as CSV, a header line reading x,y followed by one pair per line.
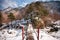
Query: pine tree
x,y
11,17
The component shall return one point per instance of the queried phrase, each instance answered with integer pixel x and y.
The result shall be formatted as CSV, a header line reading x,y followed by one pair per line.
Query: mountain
x,y
54,5
9,10
21,12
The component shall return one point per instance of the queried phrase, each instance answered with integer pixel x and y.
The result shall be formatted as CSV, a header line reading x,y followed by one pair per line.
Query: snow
x,y
45,36
29,28
57,26
57,22
14,34
17,35
56,34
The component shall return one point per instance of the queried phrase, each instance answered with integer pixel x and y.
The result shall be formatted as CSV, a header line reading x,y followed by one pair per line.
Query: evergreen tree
x,y
11,17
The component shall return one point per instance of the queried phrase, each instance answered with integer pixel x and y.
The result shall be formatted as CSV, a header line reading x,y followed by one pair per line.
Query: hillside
x,y
48,7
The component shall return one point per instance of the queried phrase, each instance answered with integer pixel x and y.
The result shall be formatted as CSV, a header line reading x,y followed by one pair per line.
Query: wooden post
x,y
22,33
38,33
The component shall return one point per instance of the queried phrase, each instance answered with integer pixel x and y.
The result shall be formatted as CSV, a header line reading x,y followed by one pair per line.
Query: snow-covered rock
x,y
57,22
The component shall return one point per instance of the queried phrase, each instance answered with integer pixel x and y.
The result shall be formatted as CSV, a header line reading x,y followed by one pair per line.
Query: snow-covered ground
x,y
10,34
17,35
45,36
14,34
55,34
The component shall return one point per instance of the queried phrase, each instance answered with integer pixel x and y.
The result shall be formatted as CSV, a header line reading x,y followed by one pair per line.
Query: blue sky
x,y
16,3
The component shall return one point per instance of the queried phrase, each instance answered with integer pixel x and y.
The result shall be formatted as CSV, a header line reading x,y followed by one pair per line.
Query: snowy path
x,y
43,35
